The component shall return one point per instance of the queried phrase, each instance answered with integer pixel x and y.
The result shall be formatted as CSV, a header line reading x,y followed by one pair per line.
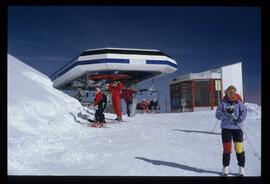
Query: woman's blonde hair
x,y
229,88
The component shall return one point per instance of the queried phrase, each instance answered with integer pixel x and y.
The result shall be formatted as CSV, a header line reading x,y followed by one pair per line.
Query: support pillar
x,y
193,94
211,94
134,101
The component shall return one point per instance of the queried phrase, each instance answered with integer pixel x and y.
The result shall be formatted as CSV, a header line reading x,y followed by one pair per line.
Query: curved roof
x,y
141,64
124,51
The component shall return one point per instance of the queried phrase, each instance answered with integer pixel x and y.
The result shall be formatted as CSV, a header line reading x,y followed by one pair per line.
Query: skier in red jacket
x,y
101,101
144,105
127,95
115,89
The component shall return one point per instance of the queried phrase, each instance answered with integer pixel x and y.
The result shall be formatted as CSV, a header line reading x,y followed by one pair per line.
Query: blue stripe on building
x,y
98,61
161,62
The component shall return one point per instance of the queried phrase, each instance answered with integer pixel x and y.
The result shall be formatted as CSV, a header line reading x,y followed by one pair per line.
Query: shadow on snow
x,y
180,166
197,131
82,116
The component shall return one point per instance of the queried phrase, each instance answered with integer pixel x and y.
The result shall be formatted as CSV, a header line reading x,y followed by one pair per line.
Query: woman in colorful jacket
x,y
232,112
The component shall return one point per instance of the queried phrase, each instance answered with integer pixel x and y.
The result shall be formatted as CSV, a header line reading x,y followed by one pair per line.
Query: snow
x,y
254,111
45,138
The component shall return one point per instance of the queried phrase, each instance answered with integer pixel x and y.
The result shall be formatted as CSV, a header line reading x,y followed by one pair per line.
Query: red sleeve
x,y
98,98
122,94
120,86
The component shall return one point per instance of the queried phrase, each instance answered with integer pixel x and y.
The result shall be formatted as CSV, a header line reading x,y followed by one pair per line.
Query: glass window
x,y
202,93
181,96
174,97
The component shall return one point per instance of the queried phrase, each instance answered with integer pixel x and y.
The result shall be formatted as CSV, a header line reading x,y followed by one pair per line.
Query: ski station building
x,y
204,90
130,66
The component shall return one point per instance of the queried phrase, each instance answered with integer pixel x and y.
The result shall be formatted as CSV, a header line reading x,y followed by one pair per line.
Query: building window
x,y
181,97
174,97
202,93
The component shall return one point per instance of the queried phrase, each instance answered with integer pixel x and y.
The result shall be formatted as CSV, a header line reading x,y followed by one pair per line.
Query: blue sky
x,y
198,38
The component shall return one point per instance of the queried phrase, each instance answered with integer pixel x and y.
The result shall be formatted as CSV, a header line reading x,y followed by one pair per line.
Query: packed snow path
x,y
147,145
45,138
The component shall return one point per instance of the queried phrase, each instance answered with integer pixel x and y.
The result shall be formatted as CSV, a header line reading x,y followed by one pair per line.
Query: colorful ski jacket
x,y
144,104
127,95
116,102
98,98
227,120
116,89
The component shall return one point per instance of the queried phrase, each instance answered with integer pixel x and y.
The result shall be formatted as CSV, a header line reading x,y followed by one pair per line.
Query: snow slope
x,y
45,138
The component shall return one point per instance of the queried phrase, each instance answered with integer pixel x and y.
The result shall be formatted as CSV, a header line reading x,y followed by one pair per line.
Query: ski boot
x,y
119,119
225,171
93,125
102,124
241,171
96,124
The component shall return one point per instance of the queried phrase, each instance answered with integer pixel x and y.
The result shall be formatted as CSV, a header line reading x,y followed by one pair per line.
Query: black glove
x,y
238,120
229,110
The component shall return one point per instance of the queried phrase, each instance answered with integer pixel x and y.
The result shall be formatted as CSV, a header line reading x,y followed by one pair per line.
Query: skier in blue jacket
x,y
232,112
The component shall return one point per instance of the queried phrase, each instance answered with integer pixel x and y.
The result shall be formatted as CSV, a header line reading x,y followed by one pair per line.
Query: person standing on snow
x,y
127,95
144,105
115,88
153,105
232,112
101,101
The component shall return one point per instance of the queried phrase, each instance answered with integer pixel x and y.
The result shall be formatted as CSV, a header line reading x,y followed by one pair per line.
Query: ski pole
x,y
215,126
255,152
242,129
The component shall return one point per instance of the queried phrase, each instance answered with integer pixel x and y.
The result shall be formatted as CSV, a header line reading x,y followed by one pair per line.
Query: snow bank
x,y
37,113
253,110
32,97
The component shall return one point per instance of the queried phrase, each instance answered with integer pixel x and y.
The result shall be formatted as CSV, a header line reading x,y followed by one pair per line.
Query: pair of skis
x,y
231,174
98,125
103,125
